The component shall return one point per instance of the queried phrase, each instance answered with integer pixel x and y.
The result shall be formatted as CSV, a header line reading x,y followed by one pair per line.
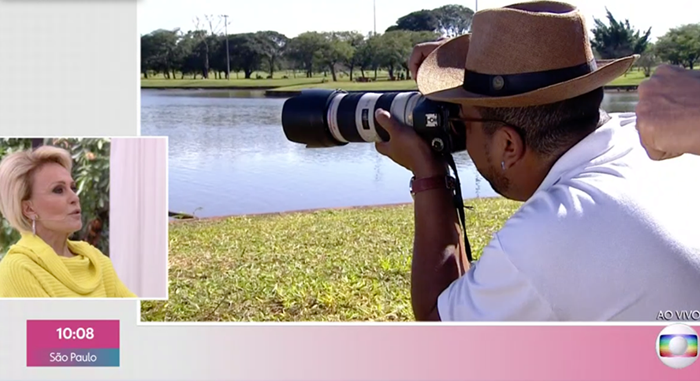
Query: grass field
x,y
329,265
633,77
278,81
223,83
293,84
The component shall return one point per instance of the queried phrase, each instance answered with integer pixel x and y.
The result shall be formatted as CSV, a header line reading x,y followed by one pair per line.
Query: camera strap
x,y
459,205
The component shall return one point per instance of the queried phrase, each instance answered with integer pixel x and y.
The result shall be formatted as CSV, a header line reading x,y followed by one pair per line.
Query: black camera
x,y
329,118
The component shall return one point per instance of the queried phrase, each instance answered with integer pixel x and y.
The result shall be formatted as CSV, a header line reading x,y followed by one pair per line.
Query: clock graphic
x,y
73,343
80,333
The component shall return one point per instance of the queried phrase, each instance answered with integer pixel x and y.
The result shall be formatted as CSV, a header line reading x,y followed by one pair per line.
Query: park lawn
x,y
279,84
159,81
631,78
224,83
406,85
328,265
300,83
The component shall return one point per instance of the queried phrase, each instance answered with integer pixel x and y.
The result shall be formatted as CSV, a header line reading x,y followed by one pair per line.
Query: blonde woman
x,y
38,198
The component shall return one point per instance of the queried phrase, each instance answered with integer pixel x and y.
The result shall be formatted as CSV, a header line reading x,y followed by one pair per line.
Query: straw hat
x,y
525,54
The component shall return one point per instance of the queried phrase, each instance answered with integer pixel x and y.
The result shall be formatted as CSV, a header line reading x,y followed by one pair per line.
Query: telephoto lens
x,y
328,118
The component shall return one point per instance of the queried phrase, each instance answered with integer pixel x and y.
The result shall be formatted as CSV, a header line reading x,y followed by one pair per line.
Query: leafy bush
x,y
91,175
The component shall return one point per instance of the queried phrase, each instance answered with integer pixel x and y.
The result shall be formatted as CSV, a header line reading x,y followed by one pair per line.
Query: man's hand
x,y
668,112
438,249
419,53
407,148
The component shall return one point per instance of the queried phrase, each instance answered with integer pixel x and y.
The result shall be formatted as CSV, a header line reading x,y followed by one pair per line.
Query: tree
x,y
367,55
414,39
333,51
149,52
302,51
159,50
394,50
187,59
356,41
423,20
618,39
246,52
453,19
273,45
648,60
680,46
208,40
449,20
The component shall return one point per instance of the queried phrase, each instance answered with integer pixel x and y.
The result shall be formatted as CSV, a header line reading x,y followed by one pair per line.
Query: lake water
x,y
229,156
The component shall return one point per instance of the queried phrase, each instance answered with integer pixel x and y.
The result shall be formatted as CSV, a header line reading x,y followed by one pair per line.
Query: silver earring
x,y
503,165
34,225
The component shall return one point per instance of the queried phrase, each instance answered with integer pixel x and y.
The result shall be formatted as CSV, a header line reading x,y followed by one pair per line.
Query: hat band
x,y
514,84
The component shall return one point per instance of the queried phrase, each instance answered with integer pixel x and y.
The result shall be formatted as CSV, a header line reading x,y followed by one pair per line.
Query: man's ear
x,y
511,143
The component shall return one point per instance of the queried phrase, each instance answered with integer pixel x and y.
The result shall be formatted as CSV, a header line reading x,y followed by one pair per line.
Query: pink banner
x,y
556,353
55,334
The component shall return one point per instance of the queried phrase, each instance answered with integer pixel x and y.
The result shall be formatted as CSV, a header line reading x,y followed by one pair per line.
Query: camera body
x,y
330,118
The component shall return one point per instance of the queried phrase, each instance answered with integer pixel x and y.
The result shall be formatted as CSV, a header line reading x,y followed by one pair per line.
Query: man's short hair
x,y
550,129
16,175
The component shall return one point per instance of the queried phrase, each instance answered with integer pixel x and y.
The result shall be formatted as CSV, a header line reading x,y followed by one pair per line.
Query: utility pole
x,y
375,17
228,61
476,5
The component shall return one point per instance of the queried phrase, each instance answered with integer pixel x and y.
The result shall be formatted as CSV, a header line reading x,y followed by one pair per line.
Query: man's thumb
x,y
384,119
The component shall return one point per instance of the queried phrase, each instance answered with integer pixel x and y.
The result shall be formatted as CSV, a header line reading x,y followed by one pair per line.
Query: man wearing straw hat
x,y
596,238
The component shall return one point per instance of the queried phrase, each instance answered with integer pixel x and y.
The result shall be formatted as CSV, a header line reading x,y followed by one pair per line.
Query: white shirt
x,y
609,235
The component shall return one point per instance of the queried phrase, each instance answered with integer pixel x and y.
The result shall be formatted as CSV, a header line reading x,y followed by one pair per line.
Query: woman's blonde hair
x,y
16,171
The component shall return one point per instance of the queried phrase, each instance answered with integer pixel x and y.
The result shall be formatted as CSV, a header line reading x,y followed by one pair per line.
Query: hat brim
x,y
441,75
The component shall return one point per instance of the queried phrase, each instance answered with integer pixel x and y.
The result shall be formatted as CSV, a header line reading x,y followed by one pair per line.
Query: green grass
x,y
384,85
634,77
329,265
278,81
223,83
300,83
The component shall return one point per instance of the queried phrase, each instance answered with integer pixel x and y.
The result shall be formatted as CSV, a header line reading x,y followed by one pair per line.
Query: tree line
x,y
202,52
679,46
206,52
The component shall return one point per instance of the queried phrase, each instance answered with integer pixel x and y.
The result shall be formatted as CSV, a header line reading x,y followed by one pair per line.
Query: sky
x,y
297,16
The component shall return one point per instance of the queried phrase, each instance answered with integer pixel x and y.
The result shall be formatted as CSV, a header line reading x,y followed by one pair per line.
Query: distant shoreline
x,y
287,85
280,92
286,212
272,93
242,88
313,210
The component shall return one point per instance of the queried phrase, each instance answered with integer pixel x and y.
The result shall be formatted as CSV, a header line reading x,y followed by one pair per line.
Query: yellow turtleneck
x,y
32,269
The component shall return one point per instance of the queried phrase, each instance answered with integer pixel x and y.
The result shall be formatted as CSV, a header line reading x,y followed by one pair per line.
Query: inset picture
x,y
84,217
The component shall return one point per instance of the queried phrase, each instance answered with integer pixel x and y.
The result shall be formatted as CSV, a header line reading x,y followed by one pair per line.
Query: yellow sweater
x,y
32,269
